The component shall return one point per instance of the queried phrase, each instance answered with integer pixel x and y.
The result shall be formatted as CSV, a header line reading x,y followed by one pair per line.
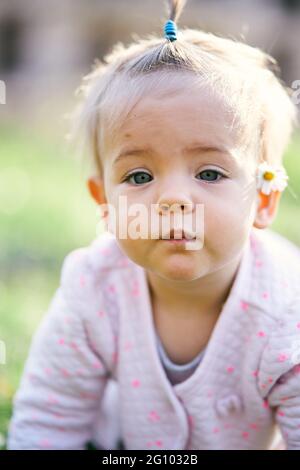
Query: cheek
x,y
228,219
133,214
134,249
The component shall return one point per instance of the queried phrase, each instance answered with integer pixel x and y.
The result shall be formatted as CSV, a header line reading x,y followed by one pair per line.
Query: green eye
x,y
140,178
210,175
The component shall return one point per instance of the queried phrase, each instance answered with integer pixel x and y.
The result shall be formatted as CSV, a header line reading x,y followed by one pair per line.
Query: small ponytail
x,y
175,9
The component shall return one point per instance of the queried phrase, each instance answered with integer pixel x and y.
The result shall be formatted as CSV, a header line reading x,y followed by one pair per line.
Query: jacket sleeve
x,y
285,399
64,379
279,377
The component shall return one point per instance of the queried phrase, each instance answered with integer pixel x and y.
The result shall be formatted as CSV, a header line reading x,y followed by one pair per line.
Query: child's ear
x,y
266,209
96,188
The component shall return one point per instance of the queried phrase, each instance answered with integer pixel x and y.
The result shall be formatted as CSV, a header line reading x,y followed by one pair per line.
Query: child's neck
x,y
200,297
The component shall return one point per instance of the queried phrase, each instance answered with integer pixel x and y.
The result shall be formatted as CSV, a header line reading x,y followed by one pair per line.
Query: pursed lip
x,y
180,235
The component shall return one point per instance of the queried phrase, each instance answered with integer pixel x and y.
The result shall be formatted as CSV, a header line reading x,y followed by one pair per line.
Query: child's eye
x,y
138,178
141,177
211,175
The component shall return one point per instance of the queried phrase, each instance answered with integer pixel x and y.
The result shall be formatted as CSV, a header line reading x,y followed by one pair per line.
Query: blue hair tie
x,y
171,30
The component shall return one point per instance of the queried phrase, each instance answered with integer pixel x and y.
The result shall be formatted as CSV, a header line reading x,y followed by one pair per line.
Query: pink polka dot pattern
x,y
74,346
52,400
296,369
282,357
152,444
244,305
65,372
115,356
136,289
154,416
124,263
261,334
135,383
45,443
191,421
128,346
112,288
97,365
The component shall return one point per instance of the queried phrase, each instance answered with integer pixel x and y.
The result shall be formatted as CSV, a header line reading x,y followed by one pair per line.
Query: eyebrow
x,y
134,152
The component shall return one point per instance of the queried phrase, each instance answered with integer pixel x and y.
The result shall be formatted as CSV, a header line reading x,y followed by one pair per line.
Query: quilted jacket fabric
x,y
94,371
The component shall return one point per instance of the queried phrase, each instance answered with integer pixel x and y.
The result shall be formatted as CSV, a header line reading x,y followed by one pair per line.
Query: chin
x,y
180,271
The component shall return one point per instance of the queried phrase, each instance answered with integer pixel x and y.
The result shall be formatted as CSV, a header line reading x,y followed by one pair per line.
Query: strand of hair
x,y
176,7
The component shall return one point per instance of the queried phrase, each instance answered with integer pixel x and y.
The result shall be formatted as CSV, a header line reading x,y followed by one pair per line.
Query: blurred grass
x,y
45,212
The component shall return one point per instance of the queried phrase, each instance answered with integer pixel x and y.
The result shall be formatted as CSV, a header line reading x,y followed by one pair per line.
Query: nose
x,y
171,203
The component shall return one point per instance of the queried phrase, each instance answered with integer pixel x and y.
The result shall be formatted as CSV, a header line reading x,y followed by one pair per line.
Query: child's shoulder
x,y
276,246
98,260
277,256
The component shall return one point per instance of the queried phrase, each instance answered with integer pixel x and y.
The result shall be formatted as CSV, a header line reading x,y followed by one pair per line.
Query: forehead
x,y
185,113
171,119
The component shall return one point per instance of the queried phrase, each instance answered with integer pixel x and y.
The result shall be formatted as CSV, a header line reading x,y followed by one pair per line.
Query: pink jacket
x,y
94,371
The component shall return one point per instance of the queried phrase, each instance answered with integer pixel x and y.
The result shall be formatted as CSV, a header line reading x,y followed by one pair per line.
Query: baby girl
x,y
186,337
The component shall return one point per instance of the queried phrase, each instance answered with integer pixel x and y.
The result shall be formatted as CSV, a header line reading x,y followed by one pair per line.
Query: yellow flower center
x,y
268,175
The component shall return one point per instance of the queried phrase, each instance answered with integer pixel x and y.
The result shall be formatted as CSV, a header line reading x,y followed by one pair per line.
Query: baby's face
x,y
183,152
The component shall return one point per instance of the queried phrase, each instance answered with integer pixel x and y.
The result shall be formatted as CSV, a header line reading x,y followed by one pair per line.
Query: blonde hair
x,y
246,78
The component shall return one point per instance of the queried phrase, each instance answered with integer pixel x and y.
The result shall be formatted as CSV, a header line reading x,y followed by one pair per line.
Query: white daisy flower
x,y
270,178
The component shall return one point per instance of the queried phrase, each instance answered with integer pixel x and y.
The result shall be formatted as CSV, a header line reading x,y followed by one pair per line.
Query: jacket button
x,y
230,404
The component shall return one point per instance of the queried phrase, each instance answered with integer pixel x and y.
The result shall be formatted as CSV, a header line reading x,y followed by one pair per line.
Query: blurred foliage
x,y
45,212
